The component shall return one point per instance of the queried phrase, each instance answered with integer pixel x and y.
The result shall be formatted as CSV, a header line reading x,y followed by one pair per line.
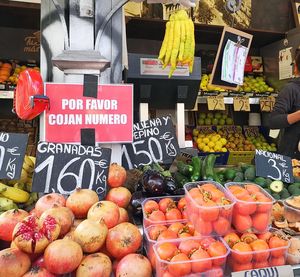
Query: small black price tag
x,y
12,151
273,166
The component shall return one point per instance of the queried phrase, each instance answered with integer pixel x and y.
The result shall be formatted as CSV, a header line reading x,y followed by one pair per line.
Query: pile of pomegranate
x,y
79,235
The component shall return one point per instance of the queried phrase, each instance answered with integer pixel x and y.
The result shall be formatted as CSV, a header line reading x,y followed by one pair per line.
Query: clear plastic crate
x,y
147,222
251,216
206,267
209,220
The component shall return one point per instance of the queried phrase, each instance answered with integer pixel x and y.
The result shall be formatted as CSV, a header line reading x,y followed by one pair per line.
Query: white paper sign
x,y
150,66
285,61
233,63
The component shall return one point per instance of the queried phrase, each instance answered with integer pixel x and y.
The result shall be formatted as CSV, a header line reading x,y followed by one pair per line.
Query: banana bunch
x,y
178,46
205,86
17,193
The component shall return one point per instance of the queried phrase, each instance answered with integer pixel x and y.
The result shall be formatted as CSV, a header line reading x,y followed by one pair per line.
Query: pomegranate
x,y
37,271
62,256
134,265
32,212
14,262
70,234
116,175
114,266
90,235
33,236
123,239
80,201
63,216
120,196
8,221
106,211
123,215
95,265
39,262
105,251
48,201
77,222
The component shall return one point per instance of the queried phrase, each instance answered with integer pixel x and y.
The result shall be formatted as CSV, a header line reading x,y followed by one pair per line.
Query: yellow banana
x,y
175,46
21,186
14,194
163,48
170,41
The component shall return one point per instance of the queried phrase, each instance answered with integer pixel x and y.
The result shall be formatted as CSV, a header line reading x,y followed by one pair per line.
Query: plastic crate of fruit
x,y
161,232
209,207
253,207
189,257
163,210
253,251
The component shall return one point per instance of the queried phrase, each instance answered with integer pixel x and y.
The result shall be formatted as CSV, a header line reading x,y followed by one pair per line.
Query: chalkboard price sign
x,y
64,167
154,140
274,166
12,151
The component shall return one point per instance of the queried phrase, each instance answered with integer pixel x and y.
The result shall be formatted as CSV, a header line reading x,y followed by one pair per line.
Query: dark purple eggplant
x,y
170,185
136,201
153,183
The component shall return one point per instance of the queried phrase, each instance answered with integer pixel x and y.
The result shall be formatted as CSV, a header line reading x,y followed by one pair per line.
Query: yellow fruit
x,y
218,144
201,135
217,148
223,141
201,145
211,144
199,140
206,148
214,138
211,150
206,140
224,149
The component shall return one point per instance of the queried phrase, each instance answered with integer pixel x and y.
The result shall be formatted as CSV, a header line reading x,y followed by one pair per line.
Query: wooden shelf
x,y
154,29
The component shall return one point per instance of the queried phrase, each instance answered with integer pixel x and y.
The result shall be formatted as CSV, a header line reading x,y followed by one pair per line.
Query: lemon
x,y
218,144
206,140
211,144
223,141
214,139
206,148
199,140
218,148
201,135
224,149
218,136
201,145
211,150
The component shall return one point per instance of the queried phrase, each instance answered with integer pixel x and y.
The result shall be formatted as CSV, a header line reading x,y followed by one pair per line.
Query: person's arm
x,y
281,116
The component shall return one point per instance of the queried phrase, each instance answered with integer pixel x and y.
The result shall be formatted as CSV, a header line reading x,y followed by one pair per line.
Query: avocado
x,y
261,181
276,186
296,192
292,188
240,175
268,190
276,196
245,166
268,182
284,194
230,173
250,173
238,179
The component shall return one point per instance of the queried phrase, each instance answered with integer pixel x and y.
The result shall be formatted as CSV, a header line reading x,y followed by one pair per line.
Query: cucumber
x,y
276,186
196,164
